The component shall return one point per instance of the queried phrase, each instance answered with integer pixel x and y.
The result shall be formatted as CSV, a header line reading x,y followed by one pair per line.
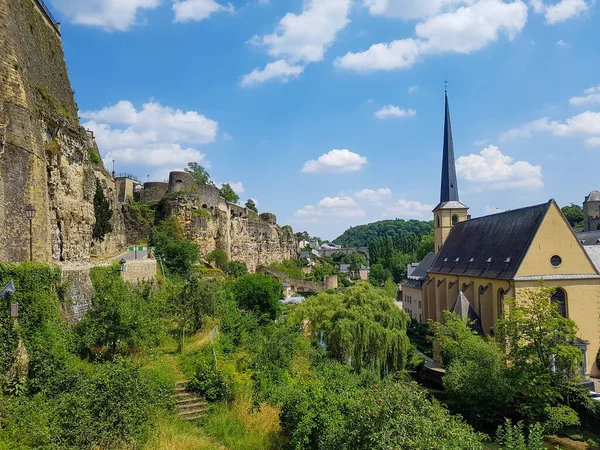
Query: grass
x,y
172,433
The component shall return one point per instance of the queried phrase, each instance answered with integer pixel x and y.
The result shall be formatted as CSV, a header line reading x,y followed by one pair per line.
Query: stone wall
x,y
44,152
153,191
140,269
250,240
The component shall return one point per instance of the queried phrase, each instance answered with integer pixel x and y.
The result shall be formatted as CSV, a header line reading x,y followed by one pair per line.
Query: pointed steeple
x,y
449,188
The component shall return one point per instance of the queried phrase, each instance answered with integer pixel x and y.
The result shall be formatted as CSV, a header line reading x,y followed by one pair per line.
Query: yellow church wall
x,y
555,237
583,306
482,293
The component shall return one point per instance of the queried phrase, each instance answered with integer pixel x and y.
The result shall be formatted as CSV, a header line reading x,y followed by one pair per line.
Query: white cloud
x,y
331,208
336,161
237,186
560,11
561,43
197,10
140,140
586,125
592,95
468,29
410,9
338,202
394,111
407,209
113,15
592,142
278,70
302,38
491,169
373,196
413,89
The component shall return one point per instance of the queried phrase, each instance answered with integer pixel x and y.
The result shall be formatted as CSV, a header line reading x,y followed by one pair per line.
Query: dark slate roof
x,y
594,196
449,189
463,308
589,237
420,273
492,246
417,284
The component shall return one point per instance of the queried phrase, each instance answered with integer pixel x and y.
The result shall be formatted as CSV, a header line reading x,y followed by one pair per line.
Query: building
x,y
412,288
362,273
480,262
591,212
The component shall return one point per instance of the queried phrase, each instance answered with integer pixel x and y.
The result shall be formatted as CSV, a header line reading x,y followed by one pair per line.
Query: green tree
x,y
574,214
512,437
229,194
199,174
391,289
102,213
235,269
544,364
258,293
360,325
426,245
378,275
476,380
251,205
177,253
218,257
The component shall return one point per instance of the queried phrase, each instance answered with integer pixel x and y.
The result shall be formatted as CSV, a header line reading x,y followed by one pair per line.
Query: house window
x,y
437,221
560,300
556,260
454,219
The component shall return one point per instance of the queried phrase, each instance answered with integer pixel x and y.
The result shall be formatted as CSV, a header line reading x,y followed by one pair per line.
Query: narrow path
x,y
190,406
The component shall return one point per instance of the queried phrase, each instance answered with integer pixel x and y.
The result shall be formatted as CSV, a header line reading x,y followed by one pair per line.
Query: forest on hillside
x,y
360,235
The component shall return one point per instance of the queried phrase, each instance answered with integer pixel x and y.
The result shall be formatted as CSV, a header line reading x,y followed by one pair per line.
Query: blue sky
x,y
330,112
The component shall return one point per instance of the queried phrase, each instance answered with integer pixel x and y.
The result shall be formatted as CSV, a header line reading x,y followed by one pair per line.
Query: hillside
x,y
359,236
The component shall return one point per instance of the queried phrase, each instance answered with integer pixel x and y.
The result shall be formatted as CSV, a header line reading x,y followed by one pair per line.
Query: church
x,y
480,262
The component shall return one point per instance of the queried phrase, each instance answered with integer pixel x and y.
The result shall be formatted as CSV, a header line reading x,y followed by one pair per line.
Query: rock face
x,y
46,158
213,223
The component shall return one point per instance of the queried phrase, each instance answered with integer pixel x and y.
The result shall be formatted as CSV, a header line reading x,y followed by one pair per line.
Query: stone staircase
x,y
190,406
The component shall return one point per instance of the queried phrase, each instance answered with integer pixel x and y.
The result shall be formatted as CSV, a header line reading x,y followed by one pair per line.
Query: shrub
x,y
211,382
102,213
93,155
177,253
235,269
218,257
258,293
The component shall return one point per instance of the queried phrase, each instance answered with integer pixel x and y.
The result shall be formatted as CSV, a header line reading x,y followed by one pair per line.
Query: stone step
x,y
192,412
187,401
180,395
184,383
192,407
193,417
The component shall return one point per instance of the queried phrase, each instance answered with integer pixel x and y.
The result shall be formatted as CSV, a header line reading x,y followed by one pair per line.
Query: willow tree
x,y
361,326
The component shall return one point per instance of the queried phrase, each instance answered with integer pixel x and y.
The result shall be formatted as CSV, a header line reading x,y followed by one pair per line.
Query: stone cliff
x,y
46,157
213,223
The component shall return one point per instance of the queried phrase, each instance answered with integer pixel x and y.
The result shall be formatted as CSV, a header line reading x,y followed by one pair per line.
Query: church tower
x,y
450,210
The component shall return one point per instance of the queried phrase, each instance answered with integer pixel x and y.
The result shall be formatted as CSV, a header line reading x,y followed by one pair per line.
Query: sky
x,y
330,113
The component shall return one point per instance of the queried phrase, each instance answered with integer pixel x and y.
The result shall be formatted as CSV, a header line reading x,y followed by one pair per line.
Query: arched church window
x,y
559,298
465,286
500,302
454,219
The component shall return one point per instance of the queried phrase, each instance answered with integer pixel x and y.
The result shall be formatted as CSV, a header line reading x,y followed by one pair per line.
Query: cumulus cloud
x,y
465,30
413,89
592,95
492,170
197,10
410,9
302,38
585,125
278,70
394,111
408,209
112,15
150,137
560,11
373,196
336,207
336,161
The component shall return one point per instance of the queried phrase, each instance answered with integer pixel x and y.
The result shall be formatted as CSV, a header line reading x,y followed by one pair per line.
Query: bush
x,y
177,253
235,269
218,257
211,382
258,293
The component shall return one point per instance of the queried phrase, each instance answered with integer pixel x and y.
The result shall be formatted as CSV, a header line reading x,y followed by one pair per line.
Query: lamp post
x,y
30,213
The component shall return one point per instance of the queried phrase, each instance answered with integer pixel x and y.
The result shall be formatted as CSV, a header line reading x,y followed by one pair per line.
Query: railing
x,y
127,175
49,14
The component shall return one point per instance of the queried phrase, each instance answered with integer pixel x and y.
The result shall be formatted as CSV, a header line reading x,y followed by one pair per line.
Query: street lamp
x,y
30,213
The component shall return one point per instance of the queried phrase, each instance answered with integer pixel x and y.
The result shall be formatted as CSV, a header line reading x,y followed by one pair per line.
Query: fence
x,y
46,11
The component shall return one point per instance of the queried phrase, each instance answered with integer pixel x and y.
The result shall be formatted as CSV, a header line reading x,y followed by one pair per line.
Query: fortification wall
x,y
154,191
250,240
44,152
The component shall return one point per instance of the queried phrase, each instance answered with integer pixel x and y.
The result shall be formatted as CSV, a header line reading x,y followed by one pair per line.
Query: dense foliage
x,y
574,214
362,326
229,194
102,213
177,253
251,205
360,236
199,174
258,293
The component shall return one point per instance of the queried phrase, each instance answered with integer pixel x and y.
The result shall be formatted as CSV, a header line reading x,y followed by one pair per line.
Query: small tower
x,y
450,210
591,212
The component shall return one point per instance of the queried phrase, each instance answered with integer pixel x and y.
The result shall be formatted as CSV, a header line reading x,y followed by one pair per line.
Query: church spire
x,y
449,188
